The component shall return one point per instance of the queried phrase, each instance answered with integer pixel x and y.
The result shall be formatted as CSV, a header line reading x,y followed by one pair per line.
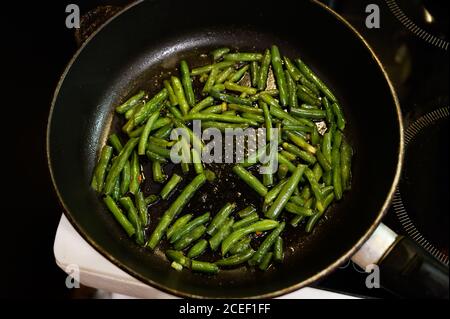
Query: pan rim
x,y
328,269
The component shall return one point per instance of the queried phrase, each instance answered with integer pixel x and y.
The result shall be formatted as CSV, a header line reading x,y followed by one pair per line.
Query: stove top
x,y
412,43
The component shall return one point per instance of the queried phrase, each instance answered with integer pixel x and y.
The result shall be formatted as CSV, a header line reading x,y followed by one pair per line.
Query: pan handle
x,y
406,269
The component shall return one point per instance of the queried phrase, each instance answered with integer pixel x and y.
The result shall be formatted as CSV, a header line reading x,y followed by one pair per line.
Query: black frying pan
x,y
150,37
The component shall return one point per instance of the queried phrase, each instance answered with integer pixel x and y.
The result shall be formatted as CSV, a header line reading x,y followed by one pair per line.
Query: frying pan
x,y
146,40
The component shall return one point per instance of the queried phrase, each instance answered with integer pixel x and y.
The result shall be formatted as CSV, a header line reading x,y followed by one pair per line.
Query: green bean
x,y
203,266
326,165
206,102
162,151
170,186
280,78
336,165
148,108
292,69
187,83
284,161
208,68
309,74
243,57
159,124
254,98
324,204
188,238
223,126
115,142
246,109
236,259
315,137
247,211
314,114
301,142
254,157
220,108
250,180
328,110
346,164
259,226
130,103
220,118
229,98
326,190
250,219
264,70
292,89
197,161
273,193
298,218
267,177
178,224
175,112
307,157
237,76
318,172
223,76
161,142
129,114
198,248
299,121
264,265
311,86
116,190
133,216
220,218
242,245
283,169
315,187
310,92
125,179
189,227
300,128
176,266
340,119
146,132
180,94
135,172
141,207
211,80
155,157
304,95
278,253
298,200
298,210
306,192
327,146
279,113
150,199
254,70
119,216
158,174
163,132
119,163
217,54
286,192
186,158
178,257
267,244
102,165
172,97
221,234
255,117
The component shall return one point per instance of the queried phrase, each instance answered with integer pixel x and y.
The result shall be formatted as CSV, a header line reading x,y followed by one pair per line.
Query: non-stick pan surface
x,y
145,41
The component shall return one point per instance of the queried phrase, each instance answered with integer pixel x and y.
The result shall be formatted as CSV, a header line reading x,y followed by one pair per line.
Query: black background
x,y
35,48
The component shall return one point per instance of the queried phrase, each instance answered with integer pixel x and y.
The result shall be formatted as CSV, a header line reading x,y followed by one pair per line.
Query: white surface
x,y
96,271
375,247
